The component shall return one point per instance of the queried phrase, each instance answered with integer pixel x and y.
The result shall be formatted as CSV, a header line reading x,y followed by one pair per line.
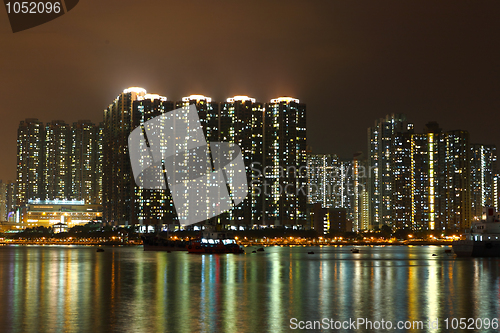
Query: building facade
x,y
380,147
30,162
71,213
337,183
431,179
483,171
285,160
56,161
118,184
3,201
85,155
151,207
241,123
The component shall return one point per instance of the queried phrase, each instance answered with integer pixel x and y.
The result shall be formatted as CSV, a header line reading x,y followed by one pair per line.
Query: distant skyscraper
x,y
430,181
325,180
99,161
359,172
458,210
58,162
483,167
241,122
336,183
365,210
380,146
285,161
3,201
85,162
151,207
208,112
56,167
402,167
11,197
496,191
30,139
118,182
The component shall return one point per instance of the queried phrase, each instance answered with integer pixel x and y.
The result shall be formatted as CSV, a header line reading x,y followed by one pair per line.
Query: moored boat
x,y
483,238
215,242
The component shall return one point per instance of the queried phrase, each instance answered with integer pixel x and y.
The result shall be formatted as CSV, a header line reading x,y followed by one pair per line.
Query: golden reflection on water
x,y
51,288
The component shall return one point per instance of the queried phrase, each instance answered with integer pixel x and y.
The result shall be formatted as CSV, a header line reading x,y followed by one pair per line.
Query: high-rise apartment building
x,y
336,183
380,146
431,180
496,191
30,163
208,113
365,210
241,122
85,155
359,171
458,182
56,166
58,162
118,183
3,201
151,206
325,179
11,200
285,162
483,167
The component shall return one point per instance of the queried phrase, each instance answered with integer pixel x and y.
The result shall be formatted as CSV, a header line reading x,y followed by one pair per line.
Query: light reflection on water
x,y
125,289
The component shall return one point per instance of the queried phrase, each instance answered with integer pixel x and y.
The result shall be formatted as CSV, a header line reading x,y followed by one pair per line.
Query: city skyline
x,y
349,63
434,180
335,150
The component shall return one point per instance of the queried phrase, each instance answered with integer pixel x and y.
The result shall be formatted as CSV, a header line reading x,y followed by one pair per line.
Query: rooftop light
x,y
284,99
152,97
241,98
197,98
137,90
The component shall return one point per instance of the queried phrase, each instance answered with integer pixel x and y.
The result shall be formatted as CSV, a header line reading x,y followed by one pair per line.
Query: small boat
x,y
215,243
310,252
100,250
483,238
260,249
355,250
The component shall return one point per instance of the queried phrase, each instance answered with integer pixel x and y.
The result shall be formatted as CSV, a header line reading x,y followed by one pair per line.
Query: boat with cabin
x,y
213,242
483,238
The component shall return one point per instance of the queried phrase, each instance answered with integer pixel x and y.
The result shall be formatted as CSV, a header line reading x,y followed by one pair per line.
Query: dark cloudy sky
x,y
351,62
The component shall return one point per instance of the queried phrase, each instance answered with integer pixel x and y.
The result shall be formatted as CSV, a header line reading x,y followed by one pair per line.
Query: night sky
x,y
351,62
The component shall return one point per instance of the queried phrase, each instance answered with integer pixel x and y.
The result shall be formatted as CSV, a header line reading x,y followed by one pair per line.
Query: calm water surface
x,y
75,289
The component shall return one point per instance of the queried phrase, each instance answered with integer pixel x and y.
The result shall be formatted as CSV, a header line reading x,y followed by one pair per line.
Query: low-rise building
x,y
46,213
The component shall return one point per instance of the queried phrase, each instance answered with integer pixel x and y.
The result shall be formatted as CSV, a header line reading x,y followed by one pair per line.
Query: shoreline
x,y
244,244
338,244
